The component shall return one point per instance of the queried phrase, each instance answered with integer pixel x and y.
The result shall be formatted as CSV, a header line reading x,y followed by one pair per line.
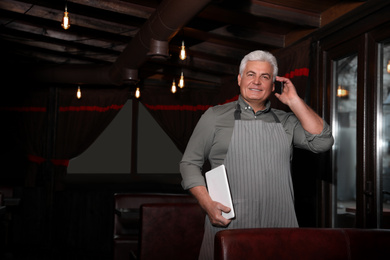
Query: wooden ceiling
x,y
216,36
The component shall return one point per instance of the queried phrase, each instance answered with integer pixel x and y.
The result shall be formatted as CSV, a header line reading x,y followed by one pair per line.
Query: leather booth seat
x,y
128,215
302,244
171,231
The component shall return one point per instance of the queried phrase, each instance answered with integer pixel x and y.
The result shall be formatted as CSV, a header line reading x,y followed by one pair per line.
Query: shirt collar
x,y
245,105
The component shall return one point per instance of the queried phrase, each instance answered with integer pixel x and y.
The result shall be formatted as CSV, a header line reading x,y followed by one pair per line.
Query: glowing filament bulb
x,y
173,89
65,20
137,93
181,81
78,92
183,55
388,67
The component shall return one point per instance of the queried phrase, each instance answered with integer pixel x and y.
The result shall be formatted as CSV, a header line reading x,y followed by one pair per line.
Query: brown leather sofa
x,y
302,244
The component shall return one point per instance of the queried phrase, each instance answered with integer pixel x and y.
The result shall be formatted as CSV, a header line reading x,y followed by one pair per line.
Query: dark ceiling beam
x,y
140,9
55,9
294,36
153,70
213,57
201,65
166,83
337,11
214,68
58,50
49,55
268,40
11,33
285,14
240,16
307,5
45,24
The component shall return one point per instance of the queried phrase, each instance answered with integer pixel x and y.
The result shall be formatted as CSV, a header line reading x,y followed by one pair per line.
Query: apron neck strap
x,y
237,112
275,117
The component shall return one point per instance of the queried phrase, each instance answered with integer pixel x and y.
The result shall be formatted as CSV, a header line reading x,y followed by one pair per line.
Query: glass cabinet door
x,y
384,137
344,149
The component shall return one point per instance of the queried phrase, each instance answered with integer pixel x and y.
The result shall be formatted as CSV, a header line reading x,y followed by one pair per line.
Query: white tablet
x,y
218,187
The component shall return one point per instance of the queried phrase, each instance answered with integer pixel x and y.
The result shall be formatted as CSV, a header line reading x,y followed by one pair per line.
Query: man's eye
x,y
265,77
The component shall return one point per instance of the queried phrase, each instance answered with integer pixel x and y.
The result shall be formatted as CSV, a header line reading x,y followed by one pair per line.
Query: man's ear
x,y
239,79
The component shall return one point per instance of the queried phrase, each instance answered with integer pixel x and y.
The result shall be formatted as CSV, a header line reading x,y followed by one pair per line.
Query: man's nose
x,y
257,81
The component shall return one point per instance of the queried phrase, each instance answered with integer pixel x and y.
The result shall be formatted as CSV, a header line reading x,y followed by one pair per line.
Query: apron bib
x,y
258,169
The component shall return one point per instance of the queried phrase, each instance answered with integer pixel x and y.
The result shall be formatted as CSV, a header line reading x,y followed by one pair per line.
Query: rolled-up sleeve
x,y
197,151
316,143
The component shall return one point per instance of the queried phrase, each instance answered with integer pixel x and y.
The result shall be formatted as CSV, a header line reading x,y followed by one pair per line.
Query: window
x,y
344,149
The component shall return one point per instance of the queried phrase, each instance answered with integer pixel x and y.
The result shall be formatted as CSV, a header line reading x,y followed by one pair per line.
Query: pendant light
x,y
173,88
137,93
65,20
78,94
181,81
183,54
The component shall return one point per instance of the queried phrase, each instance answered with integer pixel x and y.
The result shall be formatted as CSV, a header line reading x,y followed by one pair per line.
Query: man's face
x,y
256,82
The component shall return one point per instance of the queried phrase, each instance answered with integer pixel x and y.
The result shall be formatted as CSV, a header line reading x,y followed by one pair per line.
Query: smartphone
x,y
278,87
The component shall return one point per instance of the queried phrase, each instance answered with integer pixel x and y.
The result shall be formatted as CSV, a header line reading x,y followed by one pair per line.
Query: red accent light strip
x,y
89,108
39,160
297,73
185,107
60,162
35,159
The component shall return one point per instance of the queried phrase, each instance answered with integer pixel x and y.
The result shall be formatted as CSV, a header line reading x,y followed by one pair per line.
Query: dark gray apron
x,y
258,169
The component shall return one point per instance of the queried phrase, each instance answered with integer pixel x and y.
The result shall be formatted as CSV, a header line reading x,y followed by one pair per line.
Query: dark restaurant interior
x,y
98,104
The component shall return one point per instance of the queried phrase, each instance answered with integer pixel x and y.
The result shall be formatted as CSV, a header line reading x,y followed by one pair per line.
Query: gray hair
x,y
260,56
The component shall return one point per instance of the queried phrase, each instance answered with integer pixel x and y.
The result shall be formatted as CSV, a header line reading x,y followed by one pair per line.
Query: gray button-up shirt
x,y
212,135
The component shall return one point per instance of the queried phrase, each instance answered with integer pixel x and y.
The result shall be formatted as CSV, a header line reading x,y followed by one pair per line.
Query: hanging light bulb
x,y
173,88
65,20
78,92
183,54
137,93
388,67
181,81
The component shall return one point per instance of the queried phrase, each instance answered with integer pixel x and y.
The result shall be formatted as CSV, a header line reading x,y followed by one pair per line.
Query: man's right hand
x,y
212,208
